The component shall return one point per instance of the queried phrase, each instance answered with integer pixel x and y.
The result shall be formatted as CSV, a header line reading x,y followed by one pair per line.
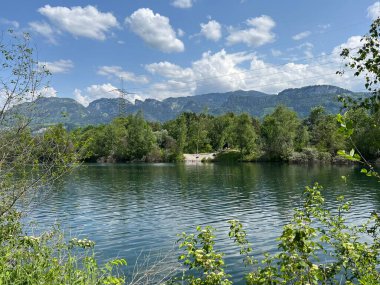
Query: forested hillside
x,y
48,111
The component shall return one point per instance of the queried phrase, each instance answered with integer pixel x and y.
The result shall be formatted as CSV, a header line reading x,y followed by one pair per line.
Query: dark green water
x,y
133,210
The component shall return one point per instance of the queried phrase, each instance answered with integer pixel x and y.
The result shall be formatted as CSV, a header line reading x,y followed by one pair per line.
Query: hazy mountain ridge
x,y
65,110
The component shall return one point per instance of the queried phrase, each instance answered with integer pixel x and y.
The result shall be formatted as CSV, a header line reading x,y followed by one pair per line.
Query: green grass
x,y
228,156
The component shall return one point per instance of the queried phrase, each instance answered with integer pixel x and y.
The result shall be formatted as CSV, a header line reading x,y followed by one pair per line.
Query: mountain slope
x,y
68,111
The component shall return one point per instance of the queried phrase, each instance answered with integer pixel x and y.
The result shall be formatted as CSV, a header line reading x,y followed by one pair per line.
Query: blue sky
x,y
176,48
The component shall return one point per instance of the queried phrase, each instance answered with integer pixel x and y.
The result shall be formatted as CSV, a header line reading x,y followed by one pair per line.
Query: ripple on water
x,y
134,209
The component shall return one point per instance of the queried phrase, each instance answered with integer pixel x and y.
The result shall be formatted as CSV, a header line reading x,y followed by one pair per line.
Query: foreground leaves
x,y
48,259
318,246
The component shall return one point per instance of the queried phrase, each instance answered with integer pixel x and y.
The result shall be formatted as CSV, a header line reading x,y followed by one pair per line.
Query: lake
x,y
136,210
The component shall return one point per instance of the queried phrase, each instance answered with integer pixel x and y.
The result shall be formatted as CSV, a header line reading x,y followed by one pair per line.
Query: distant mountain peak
x,y
255,103
108,100
315,89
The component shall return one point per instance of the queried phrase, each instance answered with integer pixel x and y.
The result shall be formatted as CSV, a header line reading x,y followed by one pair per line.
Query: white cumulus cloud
x,y
213,72
184,4
118,72
48,92
301,35
170,70
170,88
45,30
223,71
374,10
178,80
98,91
212,30
352,43
79,21
212,68
155,30
258,32
59,66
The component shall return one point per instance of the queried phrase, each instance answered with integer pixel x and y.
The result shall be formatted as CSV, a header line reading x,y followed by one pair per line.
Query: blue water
x,y
136,210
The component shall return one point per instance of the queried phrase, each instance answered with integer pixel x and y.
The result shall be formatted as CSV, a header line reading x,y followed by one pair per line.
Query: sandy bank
x,y
188,157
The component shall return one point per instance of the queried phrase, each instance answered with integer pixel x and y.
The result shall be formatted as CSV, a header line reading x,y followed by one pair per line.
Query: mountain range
x,y
52,110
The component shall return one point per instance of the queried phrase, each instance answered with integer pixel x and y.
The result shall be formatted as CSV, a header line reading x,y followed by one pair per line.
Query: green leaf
x,y
341,152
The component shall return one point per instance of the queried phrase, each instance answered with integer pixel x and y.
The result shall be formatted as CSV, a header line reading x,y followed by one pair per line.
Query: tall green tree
x,y
167,144
302,138
197,133
244,134
117,141
140,138
22,168
366,63
221,132
279,131
324,131
94,142
181,135
177,129
366,135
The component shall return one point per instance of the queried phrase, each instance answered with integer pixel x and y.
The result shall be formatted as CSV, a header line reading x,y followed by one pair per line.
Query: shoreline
x,y
199,157
206,158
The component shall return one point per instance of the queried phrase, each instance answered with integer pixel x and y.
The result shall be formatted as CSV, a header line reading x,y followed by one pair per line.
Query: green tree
x,y
366,62
197,133
177,129
140,138
302,138
244,134
279,131
324,131
167,144
22,168
366,135
181,135
94,142
117,142
221,131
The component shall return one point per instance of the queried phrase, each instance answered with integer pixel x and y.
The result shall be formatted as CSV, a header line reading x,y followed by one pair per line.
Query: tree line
x,y
280,136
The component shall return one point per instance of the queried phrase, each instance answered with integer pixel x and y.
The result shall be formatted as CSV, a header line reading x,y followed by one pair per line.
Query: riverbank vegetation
x,y
279,136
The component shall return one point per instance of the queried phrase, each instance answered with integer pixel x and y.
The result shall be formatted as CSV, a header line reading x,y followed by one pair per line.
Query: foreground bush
x,y
318,246
48,259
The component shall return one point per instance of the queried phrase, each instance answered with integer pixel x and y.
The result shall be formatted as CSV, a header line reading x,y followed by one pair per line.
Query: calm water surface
x,y
134,209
